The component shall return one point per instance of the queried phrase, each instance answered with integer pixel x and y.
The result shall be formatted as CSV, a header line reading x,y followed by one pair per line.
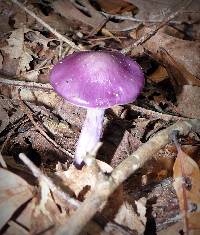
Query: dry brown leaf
x,y
15,228
159,75
43,214
17,50
77,180
68,10
46,214
189,101
8,113
14,192
15,44
187,186
36,37
156,10
185,53
115,6
177,72
127,217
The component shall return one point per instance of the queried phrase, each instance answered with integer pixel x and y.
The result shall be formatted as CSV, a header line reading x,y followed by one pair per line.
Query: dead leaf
x,y
9,114
46,215
14,192
156,10
159,75
42,215
15,228
17,50
177,72
127,217
115,6
187,186
189,101
95,18
185,53
77,180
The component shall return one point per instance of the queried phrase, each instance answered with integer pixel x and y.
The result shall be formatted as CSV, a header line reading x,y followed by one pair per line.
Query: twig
x,y
42,132
32,85
154,114
54,188
131,18
98,27
147,36
106,185
58,35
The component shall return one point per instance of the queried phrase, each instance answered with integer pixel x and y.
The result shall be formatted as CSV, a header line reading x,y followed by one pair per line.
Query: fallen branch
x,y
107,184
147,36
53,31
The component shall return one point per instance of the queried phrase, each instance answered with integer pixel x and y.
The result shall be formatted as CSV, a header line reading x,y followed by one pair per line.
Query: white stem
x,y
90,133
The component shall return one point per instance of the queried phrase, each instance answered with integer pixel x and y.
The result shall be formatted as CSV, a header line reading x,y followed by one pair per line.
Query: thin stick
x,y
48,88
131,18
107,184
147,36
42,132
154,114
54,188
32,85
58,35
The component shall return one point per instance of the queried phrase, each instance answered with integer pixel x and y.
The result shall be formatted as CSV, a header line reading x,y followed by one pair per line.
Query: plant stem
x,y
90,134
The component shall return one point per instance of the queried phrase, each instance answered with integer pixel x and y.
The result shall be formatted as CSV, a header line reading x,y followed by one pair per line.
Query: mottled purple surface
x,y
97,79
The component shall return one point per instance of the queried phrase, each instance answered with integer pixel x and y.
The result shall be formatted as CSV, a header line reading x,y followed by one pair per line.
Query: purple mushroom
x,y
96,81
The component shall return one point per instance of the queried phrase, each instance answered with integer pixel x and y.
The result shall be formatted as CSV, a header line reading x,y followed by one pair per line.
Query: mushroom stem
x,y
90,134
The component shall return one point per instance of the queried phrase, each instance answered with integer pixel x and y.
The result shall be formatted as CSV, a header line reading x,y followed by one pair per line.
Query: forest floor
x,y
146,179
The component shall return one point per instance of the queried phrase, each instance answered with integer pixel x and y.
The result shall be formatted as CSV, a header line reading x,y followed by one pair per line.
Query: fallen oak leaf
x,y
184,53
187,185
14,192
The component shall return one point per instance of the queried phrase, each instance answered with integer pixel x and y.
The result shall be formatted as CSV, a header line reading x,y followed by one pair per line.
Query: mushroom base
x,y
90,134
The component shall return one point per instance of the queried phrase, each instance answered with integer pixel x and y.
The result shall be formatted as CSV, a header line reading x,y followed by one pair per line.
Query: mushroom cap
x,y
97,79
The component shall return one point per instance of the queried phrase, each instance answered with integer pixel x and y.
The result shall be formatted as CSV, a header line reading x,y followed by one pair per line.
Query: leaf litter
x,y
146,201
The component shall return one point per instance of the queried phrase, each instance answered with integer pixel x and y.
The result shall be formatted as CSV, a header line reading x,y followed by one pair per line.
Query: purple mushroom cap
x,y
97,79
